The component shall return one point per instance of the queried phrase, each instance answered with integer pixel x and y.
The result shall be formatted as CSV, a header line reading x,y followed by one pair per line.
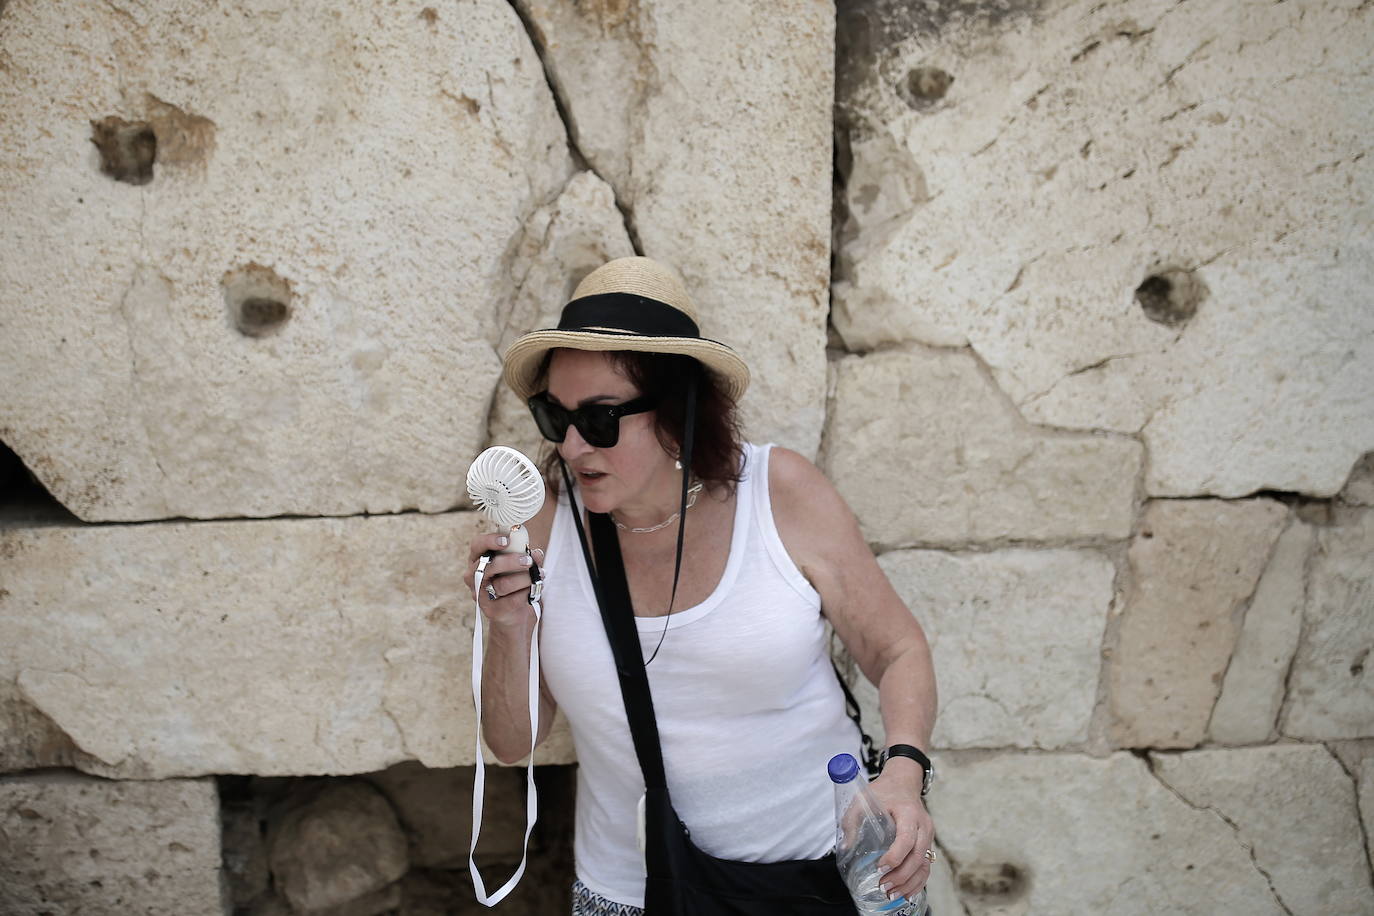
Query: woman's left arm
x,y
823,538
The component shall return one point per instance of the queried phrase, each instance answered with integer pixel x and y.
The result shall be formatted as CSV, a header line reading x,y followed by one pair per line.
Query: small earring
x,y
677,465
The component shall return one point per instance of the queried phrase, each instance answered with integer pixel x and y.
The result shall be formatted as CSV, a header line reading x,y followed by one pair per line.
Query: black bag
x,y
683,880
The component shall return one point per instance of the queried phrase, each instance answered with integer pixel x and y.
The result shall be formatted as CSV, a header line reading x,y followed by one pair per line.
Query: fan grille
x,y
505,486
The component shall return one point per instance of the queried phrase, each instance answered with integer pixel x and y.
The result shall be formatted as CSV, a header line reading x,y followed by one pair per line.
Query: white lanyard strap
x,y
480,779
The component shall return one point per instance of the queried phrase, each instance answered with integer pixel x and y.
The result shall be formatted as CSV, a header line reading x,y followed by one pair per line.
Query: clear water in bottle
x,y
863,832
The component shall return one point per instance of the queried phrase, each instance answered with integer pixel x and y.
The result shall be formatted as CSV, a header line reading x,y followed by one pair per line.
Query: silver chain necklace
x,y
691,501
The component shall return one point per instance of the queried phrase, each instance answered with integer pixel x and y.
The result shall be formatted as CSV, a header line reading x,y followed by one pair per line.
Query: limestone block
x,y
1193,566
74,844
713,122
1070,834
1016,637
274,647
1331,690
562,243
341,845
1252,691
1295,808
297,313
435,807
1089,195
927,451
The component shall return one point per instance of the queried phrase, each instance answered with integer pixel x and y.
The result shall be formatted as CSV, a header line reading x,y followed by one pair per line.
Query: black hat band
x,y
629,314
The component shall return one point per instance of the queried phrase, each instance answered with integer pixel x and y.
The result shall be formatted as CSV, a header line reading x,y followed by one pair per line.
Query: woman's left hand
x,y
898,790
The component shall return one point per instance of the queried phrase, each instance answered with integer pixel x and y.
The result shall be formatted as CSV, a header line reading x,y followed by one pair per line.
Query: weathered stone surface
x,y
1193,566
712,122
435,807
271,647
1016,637
1095,205
1359,489
1252,693
374,181
341,845
1331,689
1279,800
75,844
927,451
1070,834
562,243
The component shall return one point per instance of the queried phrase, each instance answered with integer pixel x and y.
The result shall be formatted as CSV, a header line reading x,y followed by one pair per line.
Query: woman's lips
x,y
590,477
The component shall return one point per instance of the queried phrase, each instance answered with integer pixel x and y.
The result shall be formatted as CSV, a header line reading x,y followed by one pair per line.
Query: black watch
x,y
906,750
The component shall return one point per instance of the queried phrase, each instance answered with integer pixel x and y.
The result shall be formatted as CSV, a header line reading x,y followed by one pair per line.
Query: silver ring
x,y
491,592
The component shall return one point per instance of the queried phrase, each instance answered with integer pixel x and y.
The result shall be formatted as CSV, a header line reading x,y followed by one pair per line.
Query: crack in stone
x,y
1151,768
954,874
1304,629
564,109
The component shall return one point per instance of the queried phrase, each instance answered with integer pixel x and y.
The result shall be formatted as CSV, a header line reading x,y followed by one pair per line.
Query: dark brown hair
x,y
716,447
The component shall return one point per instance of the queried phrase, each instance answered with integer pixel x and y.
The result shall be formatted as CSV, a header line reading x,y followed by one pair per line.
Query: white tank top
x,y
748,708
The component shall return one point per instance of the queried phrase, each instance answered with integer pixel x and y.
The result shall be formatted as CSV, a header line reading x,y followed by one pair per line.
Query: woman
x,y
748,707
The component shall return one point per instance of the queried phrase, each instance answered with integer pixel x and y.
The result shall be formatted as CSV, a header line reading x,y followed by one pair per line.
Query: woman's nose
x,y
573,445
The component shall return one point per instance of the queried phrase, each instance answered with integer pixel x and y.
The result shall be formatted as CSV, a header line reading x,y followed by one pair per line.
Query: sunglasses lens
x,y
551,419
599,425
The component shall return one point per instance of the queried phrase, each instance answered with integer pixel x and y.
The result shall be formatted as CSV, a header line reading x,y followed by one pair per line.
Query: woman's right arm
x,y
509,624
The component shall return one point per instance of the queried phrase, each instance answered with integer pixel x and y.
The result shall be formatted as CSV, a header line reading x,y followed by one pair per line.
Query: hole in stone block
x,y
1357,666
128,149
1171,296
258,299
926,85
988,883
23,498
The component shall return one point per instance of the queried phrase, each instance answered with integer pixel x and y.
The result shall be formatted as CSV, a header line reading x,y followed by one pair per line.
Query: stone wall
x,y
1069,298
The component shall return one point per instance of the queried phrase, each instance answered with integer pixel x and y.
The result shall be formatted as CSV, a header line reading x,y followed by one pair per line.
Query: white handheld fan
x,y
507,488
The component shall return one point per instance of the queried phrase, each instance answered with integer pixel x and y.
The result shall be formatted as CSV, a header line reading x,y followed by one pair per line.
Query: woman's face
x,y
633,475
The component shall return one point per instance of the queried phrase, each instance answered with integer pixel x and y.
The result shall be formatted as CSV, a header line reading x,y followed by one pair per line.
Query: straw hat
x,y
626,304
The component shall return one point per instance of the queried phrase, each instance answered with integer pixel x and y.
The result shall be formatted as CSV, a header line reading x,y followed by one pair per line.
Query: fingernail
x,y
883,869
525,561
895,896
886,889
502,541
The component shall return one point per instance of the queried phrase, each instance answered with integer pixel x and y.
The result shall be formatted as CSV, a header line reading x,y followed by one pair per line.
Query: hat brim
x,y
522,360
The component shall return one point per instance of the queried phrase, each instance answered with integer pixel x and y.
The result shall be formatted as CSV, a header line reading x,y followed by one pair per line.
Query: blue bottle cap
x,y
843,768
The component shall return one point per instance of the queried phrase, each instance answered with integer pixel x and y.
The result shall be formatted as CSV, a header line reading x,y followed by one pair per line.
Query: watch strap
x,y
914,753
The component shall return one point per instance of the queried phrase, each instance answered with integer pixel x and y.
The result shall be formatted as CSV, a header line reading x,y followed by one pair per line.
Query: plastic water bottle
x,y
863,832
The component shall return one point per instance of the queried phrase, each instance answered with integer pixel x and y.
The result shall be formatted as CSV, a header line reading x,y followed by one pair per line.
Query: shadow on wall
x,y
393,842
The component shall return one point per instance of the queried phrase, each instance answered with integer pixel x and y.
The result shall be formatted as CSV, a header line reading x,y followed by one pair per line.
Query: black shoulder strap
x,y
617,615
870,753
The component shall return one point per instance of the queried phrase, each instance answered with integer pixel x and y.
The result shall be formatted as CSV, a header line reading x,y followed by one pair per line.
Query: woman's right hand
x,y
508,575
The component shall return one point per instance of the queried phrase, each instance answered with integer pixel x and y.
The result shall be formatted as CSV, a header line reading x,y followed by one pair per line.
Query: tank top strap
x,y
756,476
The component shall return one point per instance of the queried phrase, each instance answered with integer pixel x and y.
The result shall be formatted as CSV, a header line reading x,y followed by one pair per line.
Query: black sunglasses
x,y
599,424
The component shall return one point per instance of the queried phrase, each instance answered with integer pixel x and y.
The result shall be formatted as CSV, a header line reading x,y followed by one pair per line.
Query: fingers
x,y
915,834
486,543
505,574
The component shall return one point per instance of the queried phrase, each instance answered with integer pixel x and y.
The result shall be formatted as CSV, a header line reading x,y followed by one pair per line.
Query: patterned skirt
x,y
586,902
